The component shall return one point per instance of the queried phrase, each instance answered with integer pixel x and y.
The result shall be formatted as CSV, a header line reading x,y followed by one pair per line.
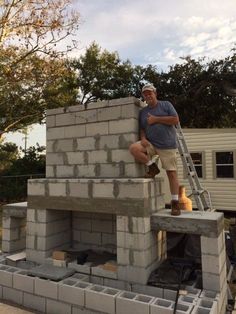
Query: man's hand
x,y
144,142
151,119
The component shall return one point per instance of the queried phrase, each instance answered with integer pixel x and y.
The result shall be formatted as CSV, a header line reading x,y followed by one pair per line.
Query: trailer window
x,y
197,161
224,164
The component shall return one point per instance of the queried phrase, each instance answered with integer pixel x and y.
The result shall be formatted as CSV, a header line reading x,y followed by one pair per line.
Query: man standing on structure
x,y
158,137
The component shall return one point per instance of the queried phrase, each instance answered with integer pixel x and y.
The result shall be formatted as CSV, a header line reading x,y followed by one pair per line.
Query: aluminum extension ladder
x,y
200,195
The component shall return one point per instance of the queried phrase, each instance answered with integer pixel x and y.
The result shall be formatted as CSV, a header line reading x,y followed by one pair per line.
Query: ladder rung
x,y
191,173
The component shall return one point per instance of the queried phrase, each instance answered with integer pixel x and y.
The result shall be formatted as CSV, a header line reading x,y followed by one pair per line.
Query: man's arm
x,y
169,120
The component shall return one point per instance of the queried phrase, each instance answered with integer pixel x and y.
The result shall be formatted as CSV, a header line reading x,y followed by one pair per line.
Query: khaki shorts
x,y
167,156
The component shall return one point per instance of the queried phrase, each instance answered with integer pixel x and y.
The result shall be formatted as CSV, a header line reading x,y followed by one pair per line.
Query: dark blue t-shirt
x,y
161,136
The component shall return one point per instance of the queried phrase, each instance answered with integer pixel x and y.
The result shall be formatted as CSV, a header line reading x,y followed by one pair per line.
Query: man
x,y
158,136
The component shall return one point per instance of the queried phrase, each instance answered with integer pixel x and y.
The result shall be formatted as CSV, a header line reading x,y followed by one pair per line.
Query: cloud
x,y
159,32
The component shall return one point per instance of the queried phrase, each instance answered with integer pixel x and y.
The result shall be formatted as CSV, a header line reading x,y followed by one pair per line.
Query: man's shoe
x,y
175,210
153,170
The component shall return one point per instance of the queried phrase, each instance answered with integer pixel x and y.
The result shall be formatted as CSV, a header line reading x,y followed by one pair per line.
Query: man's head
x,y
149,94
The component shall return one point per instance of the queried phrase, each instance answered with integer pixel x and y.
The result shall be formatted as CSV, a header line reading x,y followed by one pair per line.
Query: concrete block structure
x,y
14,227
94,195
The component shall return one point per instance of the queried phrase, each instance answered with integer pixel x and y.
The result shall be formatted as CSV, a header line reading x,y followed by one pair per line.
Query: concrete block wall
x,y
139,249
78,294
14,227
94,231
93,142
47,230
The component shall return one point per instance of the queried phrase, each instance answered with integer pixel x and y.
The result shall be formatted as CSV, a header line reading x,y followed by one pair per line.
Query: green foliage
x,y
13,179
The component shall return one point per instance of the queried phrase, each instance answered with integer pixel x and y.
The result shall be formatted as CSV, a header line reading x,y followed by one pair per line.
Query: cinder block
x,y
202,310
36,188
84,224
65,171
74,131
135,241
65,119
57,189
135,274
133,224
55,307
23,282
123,126
91,237
37,256
10,234
213,263
56,133
101,299
13,295
86,171
87,116
134,170
212,246
109,142
130,111
78,189
182,308
50,173
129,302
100,225
31,215
103,189
100,128
75,158
97,156
161,306
55,159
188,299
109,239
208,303
34,302
53,241
134,190
118,155
109,113
63,146
73,293
46,288
209,294
110,170
213,281
6,276
50,121
86,144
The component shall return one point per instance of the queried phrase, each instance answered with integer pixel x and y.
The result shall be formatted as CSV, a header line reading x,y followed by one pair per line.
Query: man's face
x,y
150,97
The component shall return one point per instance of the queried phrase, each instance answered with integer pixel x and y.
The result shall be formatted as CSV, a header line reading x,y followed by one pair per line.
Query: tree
x,y
102,75
36,25
13,179
36,84
8,154
32,77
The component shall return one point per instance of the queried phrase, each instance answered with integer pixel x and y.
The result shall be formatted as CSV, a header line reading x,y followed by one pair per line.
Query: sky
x,y
153,32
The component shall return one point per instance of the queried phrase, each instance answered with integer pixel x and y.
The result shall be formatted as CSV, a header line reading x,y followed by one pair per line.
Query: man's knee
x,y
133,148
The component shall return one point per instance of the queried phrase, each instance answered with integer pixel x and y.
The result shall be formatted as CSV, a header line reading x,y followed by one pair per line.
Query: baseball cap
x,y
149,87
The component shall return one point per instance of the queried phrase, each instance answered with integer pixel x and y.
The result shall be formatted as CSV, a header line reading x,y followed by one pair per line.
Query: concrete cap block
x,y
183,308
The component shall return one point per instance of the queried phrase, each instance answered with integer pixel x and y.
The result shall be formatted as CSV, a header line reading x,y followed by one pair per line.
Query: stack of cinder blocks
x,y
210,227
79,294
14,227
93,181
